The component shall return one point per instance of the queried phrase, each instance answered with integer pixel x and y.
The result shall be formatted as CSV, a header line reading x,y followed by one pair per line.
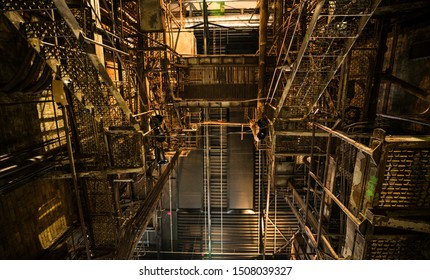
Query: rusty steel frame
x,y
333,63
301,53
73,24
114,89
308,219
377,155
382,219
132,232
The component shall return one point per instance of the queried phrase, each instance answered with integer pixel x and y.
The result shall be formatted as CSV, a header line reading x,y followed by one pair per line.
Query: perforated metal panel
x,y
407,179
101,214
126,150
13,5
402,247
103,229
299,144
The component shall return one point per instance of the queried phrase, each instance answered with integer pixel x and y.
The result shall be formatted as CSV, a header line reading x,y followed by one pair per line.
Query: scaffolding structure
x,y
331,178
109,77
349,181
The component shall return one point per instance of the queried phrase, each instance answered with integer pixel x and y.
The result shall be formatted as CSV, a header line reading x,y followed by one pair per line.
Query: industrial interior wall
x,y
32,217
412,65
34,210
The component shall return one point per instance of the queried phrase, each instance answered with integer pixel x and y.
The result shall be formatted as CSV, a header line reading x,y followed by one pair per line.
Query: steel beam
x,y
409,88
301,133
118,171
262,35
383,220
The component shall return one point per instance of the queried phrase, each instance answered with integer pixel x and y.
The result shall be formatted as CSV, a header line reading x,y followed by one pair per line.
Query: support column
x,y
264,17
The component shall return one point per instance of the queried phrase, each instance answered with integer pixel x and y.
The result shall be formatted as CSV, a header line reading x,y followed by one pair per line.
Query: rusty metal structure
x,y
348,188
226,130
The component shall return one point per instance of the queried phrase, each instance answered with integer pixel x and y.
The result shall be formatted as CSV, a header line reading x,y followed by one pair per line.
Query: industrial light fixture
x,y
262,123
156,122
159,134
160,157
342,25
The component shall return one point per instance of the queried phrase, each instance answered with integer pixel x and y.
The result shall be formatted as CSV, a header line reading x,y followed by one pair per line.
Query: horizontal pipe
x,y
346,138
399,118
201,253
88,40
345,209
222,123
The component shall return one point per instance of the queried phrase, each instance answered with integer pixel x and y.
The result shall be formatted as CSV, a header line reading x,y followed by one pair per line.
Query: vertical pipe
x,y
270,181
159,229
141,88
264,7
309,181
221,173
205,28
259,195
171,213
75,182
343,89
181,16
119,85
205,186
208,192
97,37
275,225
164,79
116,195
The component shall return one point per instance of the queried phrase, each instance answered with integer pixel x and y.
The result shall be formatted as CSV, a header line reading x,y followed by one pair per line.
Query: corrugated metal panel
x,y
222,75
220,91
406,180
190,181
241,171
239,235
217,160
221,82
